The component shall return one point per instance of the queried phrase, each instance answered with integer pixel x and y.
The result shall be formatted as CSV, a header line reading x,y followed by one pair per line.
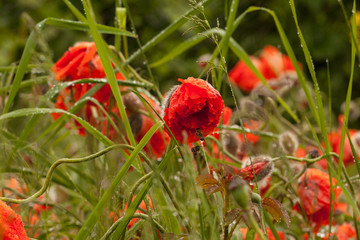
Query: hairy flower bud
x,y
255,198
231,142
132,102
251,109
354,111
239,190
262,167
288,142
136,122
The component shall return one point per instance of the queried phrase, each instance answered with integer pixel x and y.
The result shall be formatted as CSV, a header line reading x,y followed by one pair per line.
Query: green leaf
x,y
81,26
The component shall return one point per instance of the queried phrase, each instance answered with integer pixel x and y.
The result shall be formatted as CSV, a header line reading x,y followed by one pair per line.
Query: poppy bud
x,y
136,122
262,167
313,153
288,78
239,190
132,102
354,111
262,92
166,101
355,139
252,110
288,142
255,198
193,107
231,142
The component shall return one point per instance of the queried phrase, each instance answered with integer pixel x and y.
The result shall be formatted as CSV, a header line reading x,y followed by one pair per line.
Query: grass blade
x,y
95,214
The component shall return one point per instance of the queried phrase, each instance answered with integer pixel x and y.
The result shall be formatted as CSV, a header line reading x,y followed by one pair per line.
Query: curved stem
x,y
65,161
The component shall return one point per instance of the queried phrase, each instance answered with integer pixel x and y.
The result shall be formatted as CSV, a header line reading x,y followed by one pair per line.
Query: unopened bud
x,y
255,198
166,101
313,153
263,93
288,78
262,167
251,109
231,142
354,111
239,190
288,142
136,122
355,139
132,102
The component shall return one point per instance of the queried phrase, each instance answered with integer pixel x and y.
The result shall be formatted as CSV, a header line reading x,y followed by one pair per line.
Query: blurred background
x,y
322,22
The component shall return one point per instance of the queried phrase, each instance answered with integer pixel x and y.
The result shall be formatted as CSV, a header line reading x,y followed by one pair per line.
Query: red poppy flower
x,y
11,226
278,62
243,77
194,105
345,232
79,62
271,64
314,193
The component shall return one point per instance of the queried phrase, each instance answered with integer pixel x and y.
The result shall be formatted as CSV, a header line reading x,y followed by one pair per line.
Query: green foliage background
x,y
322,22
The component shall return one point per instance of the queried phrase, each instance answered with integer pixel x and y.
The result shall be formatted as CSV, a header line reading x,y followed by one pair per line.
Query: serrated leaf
x,y
232,215
209,183
277,210
206,180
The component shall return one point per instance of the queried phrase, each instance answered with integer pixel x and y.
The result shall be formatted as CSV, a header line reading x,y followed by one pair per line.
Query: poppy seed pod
x,y
288,142
195,107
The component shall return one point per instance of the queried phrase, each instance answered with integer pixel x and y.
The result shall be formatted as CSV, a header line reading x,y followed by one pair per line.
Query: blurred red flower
x,y
79,62
344,232
314,193
269,233
251,124
271,64
11,225
194,105
141,207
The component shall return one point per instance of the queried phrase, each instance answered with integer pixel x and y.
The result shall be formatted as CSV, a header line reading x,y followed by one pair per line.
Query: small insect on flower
x,y
11,225
194,107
